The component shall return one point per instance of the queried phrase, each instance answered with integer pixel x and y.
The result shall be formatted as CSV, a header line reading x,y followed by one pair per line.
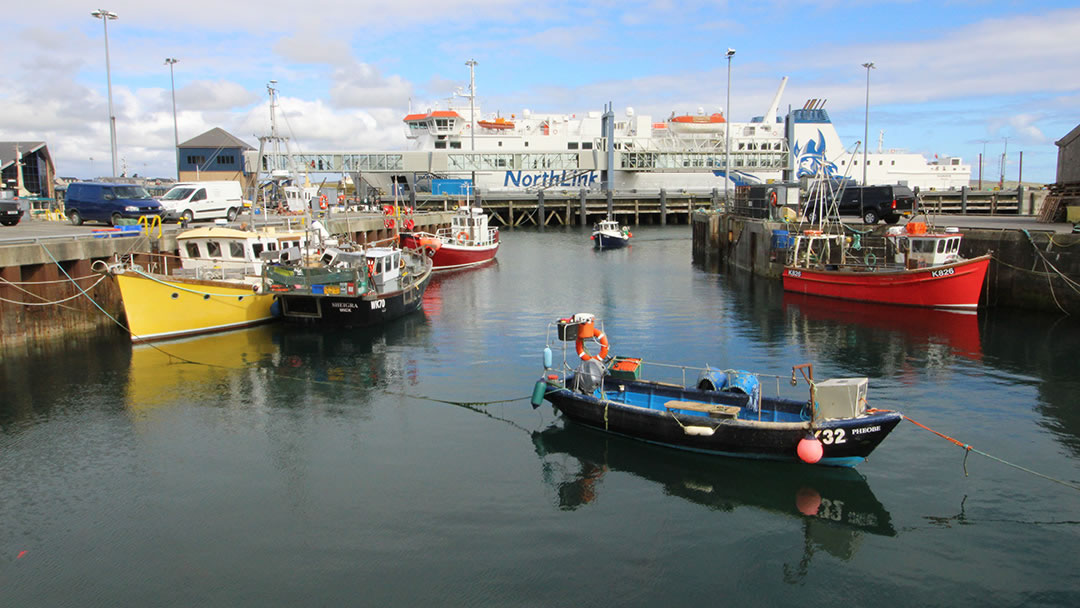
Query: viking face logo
x,y
811,158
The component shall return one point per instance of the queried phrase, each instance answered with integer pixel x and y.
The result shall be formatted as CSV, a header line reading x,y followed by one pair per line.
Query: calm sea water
x,y
292,466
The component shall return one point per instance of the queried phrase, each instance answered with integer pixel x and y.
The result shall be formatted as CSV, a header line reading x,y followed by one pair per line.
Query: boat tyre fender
x,y
599,337
462,236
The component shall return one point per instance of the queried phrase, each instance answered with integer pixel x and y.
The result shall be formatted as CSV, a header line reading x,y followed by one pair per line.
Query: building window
x,y
196,160
226,159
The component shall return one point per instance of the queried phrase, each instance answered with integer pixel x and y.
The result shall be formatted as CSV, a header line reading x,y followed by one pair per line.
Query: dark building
x,y
36,164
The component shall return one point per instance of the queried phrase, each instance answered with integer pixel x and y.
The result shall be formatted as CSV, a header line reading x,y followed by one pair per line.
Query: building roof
x,y
216,138
1068,139
7,151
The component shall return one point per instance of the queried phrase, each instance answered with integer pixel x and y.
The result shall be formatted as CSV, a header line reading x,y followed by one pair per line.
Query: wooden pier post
x,y
663,207
963,199
540,209
583,216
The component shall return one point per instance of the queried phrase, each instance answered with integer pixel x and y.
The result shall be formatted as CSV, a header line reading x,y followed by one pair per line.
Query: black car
x,y
877,202
10,213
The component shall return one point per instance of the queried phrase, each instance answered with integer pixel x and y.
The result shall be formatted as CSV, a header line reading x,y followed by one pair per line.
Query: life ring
x,y
462,236
409,225
323,201
371,267
596,335
389,222
772,198
402,264
387,210
340,199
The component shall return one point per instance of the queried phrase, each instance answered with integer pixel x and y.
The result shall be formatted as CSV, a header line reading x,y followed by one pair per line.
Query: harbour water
x,y
404,466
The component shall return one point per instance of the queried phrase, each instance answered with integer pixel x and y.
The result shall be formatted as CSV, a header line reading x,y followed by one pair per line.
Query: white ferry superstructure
x,y
767,145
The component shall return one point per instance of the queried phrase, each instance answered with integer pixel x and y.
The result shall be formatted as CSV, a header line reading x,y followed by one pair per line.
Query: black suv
x,y
888,202
10,214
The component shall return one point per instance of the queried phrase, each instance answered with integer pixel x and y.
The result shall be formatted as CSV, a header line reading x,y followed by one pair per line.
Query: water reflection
x,y
836,505
275,365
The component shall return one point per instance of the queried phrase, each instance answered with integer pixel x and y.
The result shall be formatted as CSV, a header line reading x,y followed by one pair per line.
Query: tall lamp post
x,y
472,116
171,61
727,128
866,132
105,17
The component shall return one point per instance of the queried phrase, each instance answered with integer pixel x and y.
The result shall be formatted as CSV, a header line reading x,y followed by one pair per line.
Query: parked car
x,y
877,202
109,203
10,213
203,200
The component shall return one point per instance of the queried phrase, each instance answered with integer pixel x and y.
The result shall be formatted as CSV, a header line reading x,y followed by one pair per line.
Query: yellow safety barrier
x,y
149,223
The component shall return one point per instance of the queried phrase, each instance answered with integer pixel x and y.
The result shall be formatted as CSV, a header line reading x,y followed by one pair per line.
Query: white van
x,y
203,200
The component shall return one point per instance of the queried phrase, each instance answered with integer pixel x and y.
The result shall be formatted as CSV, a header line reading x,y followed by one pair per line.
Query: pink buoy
x,y
808,501
810,450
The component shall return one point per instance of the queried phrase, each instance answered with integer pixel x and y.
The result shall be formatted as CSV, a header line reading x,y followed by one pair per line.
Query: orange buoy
x,y
810,449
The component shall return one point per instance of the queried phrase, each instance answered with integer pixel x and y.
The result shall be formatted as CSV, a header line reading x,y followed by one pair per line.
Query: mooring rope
x,y
45,302
968,449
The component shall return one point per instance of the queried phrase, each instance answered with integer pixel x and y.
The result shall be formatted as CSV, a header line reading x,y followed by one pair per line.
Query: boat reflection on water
x,y
835,504
433,297
232,367
956,332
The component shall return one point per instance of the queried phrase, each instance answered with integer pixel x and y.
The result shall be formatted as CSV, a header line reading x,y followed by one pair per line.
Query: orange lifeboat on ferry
x,y
700,123
499,124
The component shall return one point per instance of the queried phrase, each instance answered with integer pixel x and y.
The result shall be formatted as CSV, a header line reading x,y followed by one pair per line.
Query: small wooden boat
x,y
607,234
723,413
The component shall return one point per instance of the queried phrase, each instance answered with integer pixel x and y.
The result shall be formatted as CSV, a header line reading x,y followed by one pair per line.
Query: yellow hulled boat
x,y
160,307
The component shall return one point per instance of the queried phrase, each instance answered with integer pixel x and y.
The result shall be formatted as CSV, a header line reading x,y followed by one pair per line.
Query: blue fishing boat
x,y
724,411
609,235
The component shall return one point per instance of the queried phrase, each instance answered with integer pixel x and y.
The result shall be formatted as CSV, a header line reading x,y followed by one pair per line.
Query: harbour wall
x,y
47,284
1029,269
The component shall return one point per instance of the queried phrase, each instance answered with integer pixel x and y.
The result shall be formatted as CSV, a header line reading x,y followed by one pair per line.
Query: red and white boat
x,y
467,242
925,269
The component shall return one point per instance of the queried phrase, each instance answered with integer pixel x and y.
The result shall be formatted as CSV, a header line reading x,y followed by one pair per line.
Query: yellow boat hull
x,y
160,307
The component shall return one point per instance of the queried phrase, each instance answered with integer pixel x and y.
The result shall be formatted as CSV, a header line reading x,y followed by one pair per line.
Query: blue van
x,y
108,203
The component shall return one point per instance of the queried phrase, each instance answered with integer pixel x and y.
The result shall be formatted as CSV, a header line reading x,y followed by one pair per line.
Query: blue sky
x,y
952,78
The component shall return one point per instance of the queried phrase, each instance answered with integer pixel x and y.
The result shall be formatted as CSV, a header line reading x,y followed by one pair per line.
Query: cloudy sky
x,y
952,77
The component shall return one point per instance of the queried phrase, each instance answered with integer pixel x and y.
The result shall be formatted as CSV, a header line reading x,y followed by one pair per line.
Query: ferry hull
x,y
956,285
160,307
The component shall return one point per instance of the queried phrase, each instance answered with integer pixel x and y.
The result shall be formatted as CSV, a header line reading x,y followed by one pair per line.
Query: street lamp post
x,y
171,61
105,16
472,116
866,132
727,128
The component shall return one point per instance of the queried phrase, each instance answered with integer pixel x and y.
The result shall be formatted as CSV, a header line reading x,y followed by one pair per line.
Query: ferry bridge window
x,y
586,145
455,145
571,145
440,145
236,249
193,250
213,249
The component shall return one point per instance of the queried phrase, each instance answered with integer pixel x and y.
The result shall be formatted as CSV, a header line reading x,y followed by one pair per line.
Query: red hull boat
x,y
467,242
955,285
926,269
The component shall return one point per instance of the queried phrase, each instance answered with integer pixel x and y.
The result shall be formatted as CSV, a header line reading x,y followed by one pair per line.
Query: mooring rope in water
x,y
968,449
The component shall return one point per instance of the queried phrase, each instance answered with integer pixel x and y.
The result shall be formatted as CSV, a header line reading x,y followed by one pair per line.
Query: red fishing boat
x,y
467,242
916,268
